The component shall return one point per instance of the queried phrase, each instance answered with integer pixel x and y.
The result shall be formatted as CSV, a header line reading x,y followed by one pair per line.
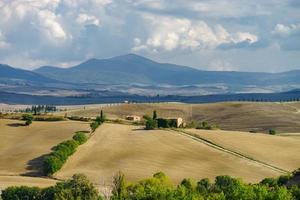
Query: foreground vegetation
x,y
160,187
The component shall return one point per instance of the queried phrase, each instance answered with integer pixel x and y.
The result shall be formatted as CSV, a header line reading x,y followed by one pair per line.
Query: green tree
x,y
151,124
119,187
77,188
21,193
27,118
154,117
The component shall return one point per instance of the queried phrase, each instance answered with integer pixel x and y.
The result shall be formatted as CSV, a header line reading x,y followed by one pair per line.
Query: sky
x,y
223,35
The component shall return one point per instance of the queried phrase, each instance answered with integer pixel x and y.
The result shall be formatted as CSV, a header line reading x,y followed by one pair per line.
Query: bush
x,y
272,132
80,137
49,118
27,118
151,124
76,118
94,125
205,125
54,162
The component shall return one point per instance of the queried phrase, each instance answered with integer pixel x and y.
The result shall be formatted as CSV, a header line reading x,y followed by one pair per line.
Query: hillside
x,y
22,148
13,75
139,153
242,116
134,69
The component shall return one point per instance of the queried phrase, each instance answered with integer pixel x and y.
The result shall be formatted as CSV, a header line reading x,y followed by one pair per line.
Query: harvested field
x,y
139,154
241,116
279,151
22,147
6,181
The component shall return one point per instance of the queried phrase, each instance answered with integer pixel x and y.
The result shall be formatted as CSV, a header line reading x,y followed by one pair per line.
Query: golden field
x,y
241,116
139,154
22,147
279,151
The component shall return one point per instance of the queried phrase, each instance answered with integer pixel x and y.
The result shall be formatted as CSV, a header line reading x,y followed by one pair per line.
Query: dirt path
x,y
218,147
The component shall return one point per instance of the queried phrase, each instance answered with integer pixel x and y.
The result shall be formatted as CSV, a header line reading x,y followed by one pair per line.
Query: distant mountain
x,y
134,69
10,74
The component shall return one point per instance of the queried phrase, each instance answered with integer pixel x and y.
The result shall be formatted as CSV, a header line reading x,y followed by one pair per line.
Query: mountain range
x,y
136,71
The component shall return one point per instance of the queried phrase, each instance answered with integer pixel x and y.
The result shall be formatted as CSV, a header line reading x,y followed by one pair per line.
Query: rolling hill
x,y
134,69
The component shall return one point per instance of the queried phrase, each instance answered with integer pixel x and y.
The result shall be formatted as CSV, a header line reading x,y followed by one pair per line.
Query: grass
x,y
279,151
6,181
242,116
139,154
23,147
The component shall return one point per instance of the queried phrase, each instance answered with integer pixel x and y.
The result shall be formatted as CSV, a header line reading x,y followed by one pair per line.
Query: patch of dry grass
x,y
139,154
22,147
242,116
279,151
7,181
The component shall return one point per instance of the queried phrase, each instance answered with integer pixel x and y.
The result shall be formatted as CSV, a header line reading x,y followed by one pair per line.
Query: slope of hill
x,y
131,68
139,153
13,75
242,116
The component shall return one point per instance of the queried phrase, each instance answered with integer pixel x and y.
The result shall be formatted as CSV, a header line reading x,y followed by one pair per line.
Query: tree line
x,y
38,109
159,187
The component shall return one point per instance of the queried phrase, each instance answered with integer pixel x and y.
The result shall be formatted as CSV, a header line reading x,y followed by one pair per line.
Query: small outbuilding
x,y
133,118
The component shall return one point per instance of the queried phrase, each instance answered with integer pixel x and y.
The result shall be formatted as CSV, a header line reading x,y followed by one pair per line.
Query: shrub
x,y
205,125
49,118
272,132
151,124
80,137
94,125
54,162
76,118
27,118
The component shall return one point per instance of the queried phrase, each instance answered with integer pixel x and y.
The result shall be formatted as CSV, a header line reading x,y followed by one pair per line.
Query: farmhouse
x,y
133,118
178,121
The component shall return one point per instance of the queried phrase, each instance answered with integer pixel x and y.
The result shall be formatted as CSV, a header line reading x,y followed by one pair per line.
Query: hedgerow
x,y
61,152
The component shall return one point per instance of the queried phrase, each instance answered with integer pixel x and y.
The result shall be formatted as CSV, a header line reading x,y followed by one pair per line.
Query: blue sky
x,y
240,35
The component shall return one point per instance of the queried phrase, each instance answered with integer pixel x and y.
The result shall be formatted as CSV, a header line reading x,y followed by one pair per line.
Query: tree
x,y
21,193
154,115
119,187
79,187
27,118
151,124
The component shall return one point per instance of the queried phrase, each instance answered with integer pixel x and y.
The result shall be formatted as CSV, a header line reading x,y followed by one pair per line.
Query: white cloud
x,y
3,43
244,37
175,33
50,25
286,30
85,19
